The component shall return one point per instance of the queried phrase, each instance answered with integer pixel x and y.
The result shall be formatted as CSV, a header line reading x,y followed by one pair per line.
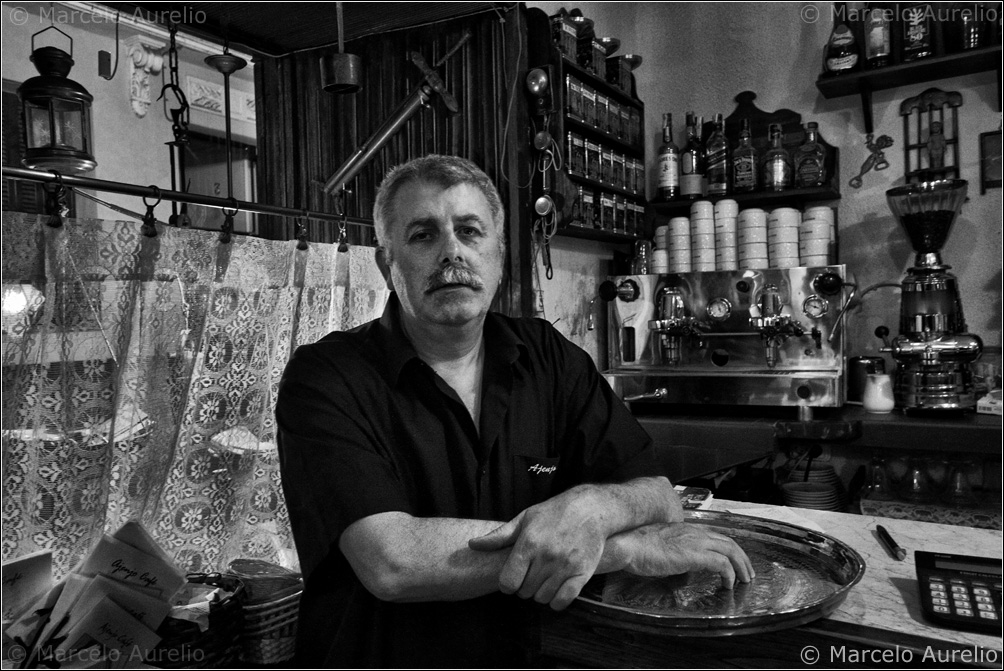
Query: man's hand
x,y
557,546
659,550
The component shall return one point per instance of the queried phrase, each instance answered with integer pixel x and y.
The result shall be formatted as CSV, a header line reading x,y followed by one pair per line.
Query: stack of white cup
x,y
726,243
782,237
678,245
660,257
816,235
751,239
702,236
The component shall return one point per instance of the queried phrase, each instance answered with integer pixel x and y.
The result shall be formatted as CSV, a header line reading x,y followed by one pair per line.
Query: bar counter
x,y
879,624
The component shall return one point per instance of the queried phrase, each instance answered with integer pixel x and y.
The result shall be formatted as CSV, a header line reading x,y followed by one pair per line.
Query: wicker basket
x,y
269,635
183,646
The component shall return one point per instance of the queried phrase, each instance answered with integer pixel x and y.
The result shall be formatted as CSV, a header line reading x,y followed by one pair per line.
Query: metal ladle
x,y
340,72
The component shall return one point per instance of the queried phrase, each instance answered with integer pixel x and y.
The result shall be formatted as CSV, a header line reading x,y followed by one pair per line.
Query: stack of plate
x,y
726,244
751,239
816,234
822,488
814,495
677,239
782,237
702,236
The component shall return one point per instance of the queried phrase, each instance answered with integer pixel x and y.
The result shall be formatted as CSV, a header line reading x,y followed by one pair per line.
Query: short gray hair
x,y
444,171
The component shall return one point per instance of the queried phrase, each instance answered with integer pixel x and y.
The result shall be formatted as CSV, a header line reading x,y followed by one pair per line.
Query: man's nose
x,y
453,251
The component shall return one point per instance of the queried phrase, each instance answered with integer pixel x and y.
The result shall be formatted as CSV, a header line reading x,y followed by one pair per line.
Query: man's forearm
x,y
429,559
633,504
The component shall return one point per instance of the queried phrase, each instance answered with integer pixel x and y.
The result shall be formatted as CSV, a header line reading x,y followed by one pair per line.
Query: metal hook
x,y
57,201
343,244
301,236
149,226
227,229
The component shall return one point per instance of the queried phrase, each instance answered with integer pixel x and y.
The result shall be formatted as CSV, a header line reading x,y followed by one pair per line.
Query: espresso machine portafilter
x,y
933,352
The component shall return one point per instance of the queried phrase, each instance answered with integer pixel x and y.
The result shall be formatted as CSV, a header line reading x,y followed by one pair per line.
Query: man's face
x,y
444,252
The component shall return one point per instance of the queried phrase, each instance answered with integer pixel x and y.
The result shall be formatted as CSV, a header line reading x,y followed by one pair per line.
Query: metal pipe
x,y
392,125
178,196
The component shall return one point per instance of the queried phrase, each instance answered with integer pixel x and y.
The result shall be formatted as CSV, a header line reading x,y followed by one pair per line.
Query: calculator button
x,y
988,616
958,589
939,593
985,606
978,584
941,609
939,602
984,599
935,578
964,612
980,591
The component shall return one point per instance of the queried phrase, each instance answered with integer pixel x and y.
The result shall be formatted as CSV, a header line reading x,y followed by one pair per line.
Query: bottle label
x,y
842,63
777,175
877,44
744,173
669,171
688,163
809,173
691,185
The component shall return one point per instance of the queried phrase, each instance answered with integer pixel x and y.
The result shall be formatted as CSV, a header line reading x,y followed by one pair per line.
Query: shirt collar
x,y
500,340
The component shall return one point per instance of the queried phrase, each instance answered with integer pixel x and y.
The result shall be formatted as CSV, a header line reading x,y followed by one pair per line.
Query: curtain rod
x,y
177,196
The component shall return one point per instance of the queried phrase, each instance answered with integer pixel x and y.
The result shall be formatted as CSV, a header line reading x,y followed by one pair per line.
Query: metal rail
x,y
177,196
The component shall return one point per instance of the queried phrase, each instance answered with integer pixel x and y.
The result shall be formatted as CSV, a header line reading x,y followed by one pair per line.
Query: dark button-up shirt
x,y
366,427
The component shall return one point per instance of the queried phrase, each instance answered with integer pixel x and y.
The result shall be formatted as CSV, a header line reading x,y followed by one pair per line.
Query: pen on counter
x,y
889,544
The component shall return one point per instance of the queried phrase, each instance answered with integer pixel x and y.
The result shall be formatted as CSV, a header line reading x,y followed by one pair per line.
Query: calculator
x,y
960,591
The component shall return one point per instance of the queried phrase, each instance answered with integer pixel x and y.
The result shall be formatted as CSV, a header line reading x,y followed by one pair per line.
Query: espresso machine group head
x,y
933,352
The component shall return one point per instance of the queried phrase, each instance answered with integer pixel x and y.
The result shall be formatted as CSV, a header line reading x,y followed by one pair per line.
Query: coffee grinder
x,y
933,352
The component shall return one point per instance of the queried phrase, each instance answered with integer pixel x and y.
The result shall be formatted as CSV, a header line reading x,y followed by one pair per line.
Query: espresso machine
x,y
933,352
742,337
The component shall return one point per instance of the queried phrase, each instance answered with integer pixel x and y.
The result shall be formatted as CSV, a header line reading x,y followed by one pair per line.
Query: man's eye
x,y
420,236
470,231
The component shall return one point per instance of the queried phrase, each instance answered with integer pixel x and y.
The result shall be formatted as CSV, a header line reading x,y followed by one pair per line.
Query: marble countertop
x,y
888,598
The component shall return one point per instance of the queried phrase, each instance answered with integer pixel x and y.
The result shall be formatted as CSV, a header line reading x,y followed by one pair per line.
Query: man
x,y
435,462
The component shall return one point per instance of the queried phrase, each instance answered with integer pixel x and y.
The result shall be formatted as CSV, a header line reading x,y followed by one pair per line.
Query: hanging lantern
x,y
56,113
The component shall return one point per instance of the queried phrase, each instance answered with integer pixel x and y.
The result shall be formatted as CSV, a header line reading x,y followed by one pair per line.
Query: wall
x,y
128,148
698,56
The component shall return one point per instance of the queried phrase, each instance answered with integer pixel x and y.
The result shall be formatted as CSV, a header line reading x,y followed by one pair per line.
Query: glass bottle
x,y
842,52
744,162
716,153
918,42
878,38
692,162
669,162
810,159
776,162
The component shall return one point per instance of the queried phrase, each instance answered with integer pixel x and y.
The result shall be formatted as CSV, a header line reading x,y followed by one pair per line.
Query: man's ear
x,y
381,260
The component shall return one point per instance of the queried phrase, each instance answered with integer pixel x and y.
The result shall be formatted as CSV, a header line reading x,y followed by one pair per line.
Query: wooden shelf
x,y
600,85
904,74
608,140
598,234
604,186
766,200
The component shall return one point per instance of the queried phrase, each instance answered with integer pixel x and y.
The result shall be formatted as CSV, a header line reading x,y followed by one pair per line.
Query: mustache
x,y
453,274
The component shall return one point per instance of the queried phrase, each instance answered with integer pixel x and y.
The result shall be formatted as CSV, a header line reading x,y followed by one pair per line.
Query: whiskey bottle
x,y
744,162
842,50
716,153
918,41
878,39
810,159
669,162
692,162
776,163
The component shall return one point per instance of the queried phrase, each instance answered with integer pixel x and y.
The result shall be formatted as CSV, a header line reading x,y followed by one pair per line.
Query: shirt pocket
x,y
534,479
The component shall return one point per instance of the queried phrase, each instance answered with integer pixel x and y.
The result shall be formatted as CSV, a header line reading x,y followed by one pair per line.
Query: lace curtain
x,y
139,380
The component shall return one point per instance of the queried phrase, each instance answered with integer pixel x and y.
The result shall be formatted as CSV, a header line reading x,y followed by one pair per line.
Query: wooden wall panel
x,y
305,134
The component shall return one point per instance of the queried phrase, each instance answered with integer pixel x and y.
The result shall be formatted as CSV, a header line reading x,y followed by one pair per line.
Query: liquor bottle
x,y
669,162
776,163
810,159
716,156
744,162
878,36
692,162
842,50
918,42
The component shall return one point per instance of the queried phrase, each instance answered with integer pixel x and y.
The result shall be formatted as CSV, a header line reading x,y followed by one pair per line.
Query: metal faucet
x,y
672,324
774,327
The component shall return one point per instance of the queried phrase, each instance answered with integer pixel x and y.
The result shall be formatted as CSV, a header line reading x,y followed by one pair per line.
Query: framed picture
x,y
990,161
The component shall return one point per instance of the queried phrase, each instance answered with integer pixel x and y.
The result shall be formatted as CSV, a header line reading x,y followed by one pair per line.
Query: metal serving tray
x,y
801,575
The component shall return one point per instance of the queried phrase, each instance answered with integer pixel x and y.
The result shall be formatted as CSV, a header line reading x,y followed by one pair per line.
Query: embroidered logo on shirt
x,y
538,469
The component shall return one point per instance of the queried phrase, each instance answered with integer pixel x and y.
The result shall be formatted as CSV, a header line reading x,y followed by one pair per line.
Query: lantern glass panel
x,y
39,130
69,120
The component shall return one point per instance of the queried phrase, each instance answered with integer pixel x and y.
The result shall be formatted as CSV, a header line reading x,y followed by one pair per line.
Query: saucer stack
x,y
782,237
726,244
702,236
660,256
816,235
678,245
751,239
822,489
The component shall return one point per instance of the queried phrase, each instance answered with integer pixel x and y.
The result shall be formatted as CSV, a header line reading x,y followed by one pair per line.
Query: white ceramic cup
x,y
878,397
